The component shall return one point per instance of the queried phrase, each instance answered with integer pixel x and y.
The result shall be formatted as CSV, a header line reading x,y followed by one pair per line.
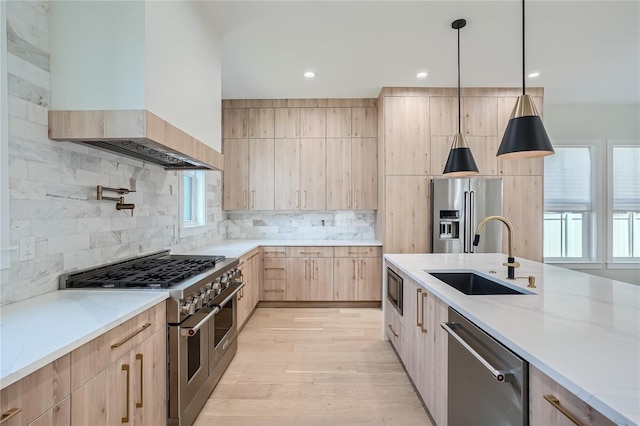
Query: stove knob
x,y
224,279
187,308
210,294
197,301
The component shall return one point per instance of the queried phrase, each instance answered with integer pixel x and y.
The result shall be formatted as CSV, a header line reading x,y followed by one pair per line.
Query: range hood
x,y
135,133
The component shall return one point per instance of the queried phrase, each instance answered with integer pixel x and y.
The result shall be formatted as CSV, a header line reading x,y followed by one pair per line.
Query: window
x,y
570,202
624,201
192,206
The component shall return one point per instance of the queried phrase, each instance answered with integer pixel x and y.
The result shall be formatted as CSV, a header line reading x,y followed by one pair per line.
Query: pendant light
x,y
460,161
525,136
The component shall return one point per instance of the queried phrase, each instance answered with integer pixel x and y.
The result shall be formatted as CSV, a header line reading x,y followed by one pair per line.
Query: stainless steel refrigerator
x,y
457,206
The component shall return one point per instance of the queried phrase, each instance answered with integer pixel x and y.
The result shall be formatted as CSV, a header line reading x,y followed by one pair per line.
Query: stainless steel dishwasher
x,y
488,384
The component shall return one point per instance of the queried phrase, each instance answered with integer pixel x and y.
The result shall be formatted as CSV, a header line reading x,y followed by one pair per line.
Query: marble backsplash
x,y
321,225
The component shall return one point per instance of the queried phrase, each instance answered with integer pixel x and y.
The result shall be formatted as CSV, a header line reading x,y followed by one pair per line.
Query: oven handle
x,y
190,331
500,376
229,297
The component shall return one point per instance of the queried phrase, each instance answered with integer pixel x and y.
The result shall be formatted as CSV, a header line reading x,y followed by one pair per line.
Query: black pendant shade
x,y
525,136
460,161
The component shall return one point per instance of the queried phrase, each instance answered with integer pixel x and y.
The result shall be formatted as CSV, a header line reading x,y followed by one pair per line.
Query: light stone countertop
x,y
581,330
40,330
237,248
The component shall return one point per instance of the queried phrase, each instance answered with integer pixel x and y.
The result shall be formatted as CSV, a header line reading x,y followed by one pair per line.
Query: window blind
x,y
626,178
567,180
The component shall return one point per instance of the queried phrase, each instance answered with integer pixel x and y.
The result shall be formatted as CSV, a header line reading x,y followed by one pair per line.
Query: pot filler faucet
x,y
511,261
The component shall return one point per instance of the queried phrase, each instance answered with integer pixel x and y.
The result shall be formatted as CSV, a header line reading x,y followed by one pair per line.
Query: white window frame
x,y
592,242
198,223
615,262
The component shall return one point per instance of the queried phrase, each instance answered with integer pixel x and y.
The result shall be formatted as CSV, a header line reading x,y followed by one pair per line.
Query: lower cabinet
x,y
251,267
552,404
394,329
357,273
41,398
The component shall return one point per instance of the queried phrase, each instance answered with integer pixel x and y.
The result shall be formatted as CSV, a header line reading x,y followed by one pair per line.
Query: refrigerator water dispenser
x,y
449,224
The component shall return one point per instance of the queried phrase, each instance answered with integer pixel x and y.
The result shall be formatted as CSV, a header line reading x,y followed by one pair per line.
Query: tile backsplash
x,y
320,225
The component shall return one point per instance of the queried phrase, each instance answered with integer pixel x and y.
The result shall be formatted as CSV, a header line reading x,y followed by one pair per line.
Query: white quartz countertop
x,y
237,248
40,330
581,330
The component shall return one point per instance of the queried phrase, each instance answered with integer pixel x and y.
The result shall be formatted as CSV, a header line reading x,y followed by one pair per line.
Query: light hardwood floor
x,y
314,366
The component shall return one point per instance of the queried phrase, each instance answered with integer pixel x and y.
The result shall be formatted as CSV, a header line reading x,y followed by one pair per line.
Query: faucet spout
x,y
511,261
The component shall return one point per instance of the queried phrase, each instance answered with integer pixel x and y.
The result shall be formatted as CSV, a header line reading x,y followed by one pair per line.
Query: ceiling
x,y
586,51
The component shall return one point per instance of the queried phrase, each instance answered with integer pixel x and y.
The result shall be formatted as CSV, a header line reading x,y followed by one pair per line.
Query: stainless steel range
x,y
201,318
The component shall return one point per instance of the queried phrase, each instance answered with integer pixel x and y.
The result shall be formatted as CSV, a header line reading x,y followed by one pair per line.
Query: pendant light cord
x,y
523,68
459,107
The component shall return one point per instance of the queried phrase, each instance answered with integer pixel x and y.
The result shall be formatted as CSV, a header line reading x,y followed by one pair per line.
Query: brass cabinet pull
x,y
277,269
357,131
297,199
253,198
355,199
251,127
125,367
244,198
306,266
139,404
418,322
310,252
9,413
131,336
313,269
424,296
358,252
349,198
553,400
355,269
362,266
394,333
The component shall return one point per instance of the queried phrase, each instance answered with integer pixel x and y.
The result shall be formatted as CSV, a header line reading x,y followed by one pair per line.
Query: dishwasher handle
x,y
500,376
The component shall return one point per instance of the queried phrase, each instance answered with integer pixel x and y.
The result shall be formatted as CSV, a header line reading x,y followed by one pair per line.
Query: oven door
x,y
224,328
394,289
189,355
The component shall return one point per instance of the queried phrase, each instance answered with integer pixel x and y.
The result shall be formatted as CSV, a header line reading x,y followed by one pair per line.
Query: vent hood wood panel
x,y
135,133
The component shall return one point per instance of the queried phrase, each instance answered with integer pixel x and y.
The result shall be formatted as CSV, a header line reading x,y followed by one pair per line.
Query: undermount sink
x,y
474,284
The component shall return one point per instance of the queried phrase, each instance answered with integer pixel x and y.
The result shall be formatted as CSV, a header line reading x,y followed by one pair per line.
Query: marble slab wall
x,y
321,225
52,185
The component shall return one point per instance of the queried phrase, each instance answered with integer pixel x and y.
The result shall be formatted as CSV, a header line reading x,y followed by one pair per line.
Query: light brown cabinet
x,y
41,396
407,215
299,123
351,122
120,377
357,273
249,295
309,273
552,404
406,131
300,182
352,173
249,179
248,123
394,329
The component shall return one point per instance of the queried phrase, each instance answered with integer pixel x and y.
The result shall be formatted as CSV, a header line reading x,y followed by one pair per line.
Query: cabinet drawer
x,y
60,415
274,269
358,251
91,358
274,251
38,392
274,289
312,251
550,403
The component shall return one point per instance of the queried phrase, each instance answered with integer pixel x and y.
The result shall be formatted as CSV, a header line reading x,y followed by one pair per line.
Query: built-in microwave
x,y
394,289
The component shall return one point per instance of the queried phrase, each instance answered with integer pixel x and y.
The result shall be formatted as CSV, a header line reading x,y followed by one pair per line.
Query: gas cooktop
x,y
157,270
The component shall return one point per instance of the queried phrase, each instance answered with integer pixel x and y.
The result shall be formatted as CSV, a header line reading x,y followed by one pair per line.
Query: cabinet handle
x,y
306,266
139,404
418,297
244,199
297,127
251,127
424,296
355,269
244,127
277,269
349,199
362,266
253,198
355,199
297,199
553,400
358,252
131,336
9,413
310,252
125,367
253,256
357,131
391,328
426,162
314,266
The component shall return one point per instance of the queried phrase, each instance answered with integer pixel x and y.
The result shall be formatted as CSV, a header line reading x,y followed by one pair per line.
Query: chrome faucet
x,y
511,261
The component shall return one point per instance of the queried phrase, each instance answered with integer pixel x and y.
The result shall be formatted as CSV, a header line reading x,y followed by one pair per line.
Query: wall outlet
x,y
27,248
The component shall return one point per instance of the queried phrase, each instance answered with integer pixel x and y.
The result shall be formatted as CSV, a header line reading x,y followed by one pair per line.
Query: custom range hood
x,y
135,133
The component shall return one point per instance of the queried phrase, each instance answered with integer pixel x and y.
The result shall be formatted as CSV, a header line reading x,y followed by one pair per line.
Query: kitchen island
x,y
581,330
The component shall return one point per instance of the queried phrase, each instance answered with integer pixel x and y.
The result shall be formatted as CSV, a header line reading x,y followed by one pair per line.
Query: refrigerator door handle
x,y
467,219
472,216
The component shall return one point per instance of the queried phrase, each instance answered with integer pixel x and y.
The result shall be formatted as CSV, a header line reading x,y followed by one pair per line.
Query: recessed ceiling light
x,y
422,74
309,74
534,74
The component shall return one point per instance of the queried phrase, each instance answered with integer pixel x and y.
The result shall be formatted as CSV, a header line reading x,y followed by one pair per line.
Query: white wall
x,y
188,96
97,54
596,122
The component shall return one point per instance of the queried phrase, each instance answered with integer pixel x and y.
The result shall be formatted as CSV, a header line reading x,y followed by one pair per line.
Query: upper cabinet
x,y
407,137
310,166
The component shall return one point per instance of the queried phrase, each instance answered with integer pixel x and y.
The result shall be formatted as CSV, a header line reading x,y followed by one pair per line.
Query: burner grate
x,y
155,273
